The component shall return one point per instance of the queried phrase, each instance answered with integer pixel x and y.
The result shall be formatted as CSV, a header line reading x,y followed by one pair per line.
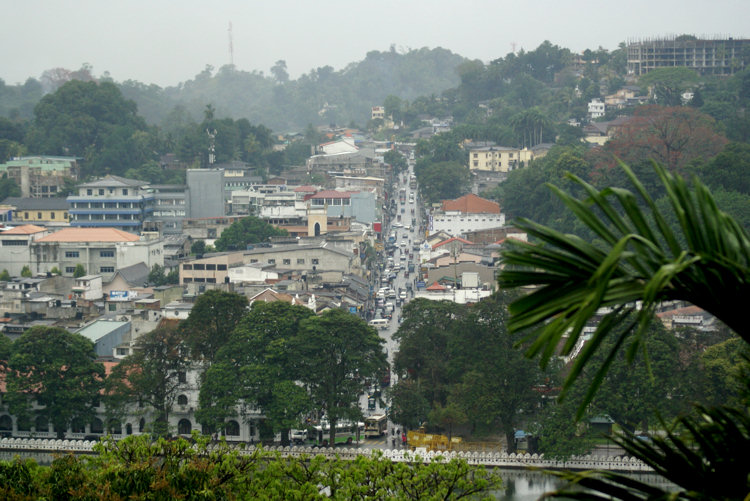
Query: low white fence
x,y
490,459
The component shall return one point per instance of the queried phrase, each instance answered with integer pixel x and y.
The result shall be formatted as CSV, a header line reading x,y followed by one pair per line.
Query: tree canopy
x,y
248,230
54,369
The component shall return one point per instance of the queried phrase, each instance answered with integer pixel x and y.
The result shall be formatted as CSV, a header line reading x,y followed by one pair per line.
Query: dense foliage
x,y
137,469
248,230
638,263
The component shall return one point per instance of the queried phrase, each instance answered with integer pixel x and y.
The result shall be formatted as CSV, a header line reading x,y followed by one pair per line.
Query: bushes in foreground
x,y
136,468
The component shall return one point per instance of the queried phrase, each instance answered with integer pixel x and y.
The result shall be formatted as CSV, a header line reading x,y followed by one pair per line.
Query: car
x,y
407,227
402,295
398,225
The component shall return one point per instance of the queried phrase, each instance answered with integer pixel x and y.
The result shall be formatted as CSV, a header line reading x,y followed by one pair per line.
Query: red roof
x,y
436,287
472,204
332,194
25,229
90,235
454,239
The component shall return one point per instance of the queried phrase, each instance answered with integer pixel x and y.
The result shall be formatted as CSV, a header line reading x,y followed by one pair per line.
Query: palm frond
x,y
637,263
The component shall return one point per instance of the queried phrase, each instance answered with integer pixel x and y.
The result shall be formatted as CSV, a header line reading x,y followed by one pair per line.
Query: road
x,y
405,241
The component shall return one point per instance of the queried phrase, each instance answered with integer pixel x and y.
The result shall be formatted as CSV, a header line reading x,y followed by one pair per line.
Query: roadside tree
x,y
338,353
150,378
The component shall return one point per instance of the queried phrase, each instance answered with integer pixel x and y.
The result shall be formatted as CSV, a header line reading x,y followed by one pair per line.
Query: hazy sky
x,y
169,41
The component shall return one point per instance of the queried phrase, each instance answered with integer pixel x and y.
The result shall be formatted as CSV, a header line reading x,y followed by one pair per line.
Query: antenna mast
x,y
231,46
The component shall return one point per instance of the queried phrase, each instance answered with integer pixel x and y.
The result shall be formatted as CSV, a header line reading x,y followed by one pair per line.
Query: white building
x,y
465,214
597,108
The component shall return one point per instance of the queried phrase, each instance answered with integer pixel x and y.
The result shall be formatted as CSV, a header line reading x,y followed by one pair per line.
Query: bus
x,y
346,433
376,425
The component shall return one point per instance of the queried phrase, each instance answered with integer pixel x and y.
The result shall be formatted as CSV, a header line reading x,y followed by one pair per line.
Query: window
x,y
65,215
300,260
101,191
187,266
182,377
107,253
71,253
199,266
39,215
315,261
271,261
287,261
201,280
112,307
25,215
232,429
52,215
10,243
107,269
124,191
211,267
70,269
210,280
182,400
221,267
89,192
187,280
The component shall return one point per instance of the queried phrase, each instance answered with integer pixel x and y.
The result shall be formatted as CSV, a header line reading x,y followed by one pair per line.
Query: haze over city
x,y
166,43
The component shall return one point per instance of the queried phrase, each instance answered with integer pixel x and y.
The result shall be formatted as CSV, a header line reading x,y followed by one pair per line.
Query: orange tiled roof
x,y
90,235
472,204
453,239
26,229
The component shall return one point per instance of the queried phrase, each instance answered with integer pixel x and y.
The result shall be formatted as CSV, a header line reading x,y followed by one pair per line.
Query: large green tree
x,y
150,378
495,381
212,319
425,337
91,120
338,353
259,366
248,230
56,370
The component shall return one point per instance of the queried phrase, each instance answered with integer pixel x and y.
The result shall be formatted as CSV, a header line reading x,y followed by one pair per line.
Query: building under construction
x,y
725,56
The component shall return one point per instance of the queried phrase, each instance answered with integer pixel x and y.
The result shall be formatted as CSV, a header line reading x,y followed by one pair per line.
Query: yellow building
x,y
38,210
499,158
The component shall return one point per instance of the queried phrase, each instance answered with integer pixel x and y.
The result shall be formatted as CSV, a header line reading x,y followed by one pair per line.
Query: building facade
x,y
100,251
112,201
466,214
498,158
38,210
707,57
41,176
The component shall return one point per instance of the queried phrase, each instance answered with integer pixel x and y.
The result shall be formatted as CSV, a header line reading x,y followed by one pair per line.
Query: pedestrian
x,y
403,439
393,442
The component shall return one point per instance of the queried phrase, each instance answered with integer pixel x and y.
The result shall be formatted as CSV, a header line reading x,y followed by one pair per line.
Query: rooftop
x,y
90,235
471,204
26,229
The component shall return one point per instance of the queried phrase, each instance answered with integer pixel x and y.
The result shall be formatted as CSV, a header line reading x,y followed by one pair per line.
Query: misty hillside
x,y
321,96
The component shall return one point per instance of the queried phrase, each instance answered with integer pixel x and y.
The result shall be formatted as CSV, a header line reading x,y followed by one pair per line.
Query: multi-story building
x,y
597,108
112,201
48,211
169,207
40,176
205,195
100,251
465,214
707,57
499,158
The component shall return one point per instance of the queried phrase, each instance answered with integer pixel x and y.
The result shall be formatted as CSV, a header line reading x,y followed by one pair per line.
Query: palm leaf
x,y
638,262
